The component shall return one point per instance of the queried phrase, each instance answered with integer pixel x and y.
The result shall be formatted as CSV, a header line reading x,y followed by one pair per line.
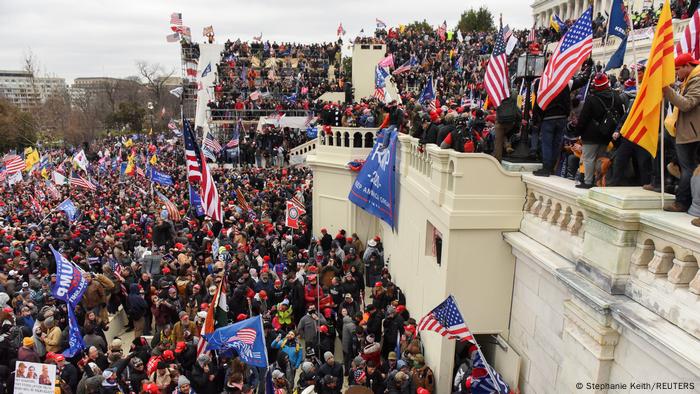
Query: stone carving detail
x,y
682,272
661,263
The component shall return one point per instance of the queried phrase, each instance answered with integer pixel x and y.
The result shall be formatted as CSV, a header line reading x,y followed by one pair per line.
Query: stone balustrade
x,y
348,137
297,155
552,215
622,241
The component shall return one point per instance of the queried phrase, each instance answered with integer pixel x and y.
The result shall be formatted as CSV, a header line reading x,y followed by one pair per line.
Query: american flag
x,y
441,30
210,196
173,213
242,203
446,319
380,75
233,143
79,181
51,190
194,169
35,204
496,77
690,39
176,18
13,163
211,143
412,61
139,172
485,380
573,49
531,37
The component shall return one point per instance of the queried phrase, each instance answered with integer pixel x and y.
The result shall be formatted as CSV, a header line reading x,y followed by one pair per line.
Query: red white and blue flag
x,y
690,39
484,379
573,49
194,170
13,163
496,79
79,181
447,321
176,18
246,337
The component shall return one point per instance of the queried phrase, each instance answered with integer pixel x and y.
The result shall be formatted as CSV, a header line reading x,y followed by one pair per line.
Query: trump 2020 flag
x,y
196,202
374,189
70,281
75,340
69,208
245,337
158,177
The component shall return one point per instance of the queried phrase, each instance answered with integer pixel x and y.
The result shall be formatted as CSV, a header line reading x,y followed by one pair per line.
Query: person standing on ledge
x,y
685,119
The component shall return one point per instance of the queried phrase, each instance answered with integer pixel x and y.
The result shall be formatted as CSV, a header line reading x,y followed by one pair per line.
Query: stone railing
x,y
552,215
348,137
621,241
664,275
298,153
444,177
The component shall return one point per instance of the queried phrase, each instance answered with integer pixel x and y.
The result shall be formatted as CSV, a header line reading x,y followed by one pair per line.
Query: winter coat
x,y
308,327
137,305
349,328
594,109
292,349
688,104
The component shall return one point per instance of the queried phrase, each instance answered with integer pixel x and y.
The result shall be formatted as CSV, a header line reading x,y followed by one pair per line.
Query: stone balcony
x,y
619,239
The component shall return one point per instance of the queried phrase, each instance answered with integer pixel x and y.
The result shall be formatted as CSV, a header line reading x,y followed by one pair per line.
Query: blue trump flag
x,y
70,280
158,177
246,338
619,21
428,93
70,287
75,339
196,202
69,208
617,58
374,189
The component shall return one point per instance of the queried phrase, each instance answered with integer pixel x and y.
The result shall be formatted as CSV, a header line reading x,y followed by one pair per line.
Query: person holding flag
x,y
681,124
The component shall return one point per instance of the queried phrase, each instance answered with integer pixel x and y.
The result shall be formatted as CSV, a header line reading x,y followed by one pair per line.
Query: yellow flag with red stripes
x,y
642,124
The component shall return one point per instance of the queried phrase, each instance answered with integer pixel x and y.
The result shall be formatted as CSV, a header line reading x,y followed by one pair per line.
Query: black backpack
x,y
610,121
508,111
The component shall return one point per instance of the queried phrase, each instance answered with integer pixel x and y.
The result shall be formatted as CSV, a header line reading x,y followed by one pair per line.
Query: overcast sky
x,y
88,38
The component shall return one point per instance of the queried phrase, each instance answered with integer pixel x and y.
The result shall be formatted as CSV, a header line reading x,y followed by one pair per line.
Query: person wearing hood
x,y
307,377
136,308
598,121
109,384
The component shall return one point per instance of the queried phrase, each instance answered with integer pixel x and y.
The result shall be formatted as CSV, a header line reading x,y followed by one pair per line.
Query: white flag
x,y
15,177
177,92
511,44
81,160
58,178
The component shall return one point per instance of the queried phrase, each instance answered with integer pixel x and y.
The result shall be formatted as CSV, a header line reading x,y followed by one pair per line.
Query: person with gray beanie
x,y
329,368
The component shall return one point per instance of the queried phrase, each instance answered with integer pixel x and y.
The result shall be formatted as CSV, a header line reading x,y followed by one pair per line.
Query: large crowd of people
x,y
320,296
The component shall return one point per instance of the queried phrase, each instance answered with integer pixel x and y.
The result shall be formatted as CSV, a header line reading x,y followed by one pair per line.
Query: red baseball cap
x,y
685,59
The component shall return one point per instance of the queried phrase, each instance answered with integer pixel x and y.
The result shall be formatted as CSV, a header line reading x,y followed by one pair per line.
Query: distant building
x,y
23,89
94,84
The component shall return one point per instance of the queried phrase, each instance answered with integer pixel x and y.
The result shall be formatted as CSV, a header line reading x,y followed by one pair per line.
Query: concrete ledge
x,y
628,197
520,167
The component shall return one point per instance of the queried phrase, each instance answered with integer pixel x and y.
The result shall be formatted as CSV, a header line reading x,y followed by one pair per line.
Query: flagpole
x,y
478,348
662,161
634,49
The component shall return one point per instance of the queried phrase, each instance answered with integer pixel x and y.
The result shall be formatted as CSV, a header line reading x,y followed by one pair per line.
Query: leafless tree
x,y
155,78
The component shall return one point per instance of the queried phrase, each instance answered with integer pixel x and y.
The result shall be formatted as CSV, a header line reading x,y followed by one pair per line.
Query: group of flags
x,y
198,174
179,31
446,320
